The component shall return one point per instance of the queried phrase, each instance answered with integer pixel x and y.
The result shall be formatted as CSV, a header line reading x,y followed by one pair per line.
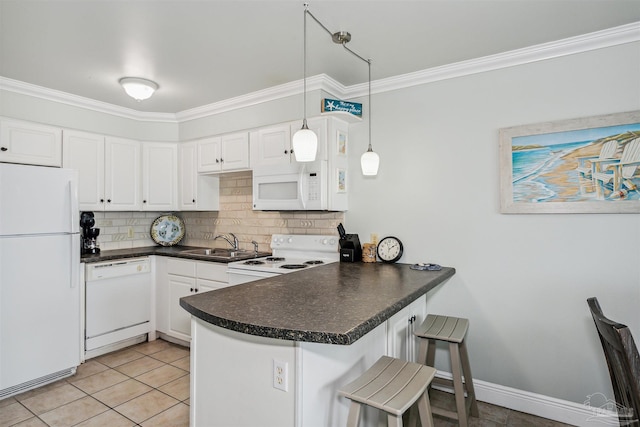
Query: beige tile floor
x,y
143,385
147,385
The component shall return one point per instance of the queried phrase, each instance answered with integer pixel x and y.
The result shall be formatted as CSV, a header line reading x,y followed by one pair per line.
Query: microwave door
x,y
277,192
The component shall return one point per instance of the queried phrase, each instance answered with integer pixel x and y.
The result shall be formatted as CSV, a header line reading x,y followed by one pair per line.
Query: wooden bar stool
x,y
451,330
391,385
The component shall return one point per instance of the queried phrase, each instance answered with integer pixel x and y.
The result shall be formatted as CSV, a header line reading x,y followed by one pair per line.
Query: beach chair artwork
x,y
587,165
615,178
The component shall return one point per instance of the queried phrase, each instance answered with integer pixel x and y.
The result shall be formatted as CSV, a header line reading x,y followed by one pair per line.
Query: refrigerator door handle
x,y
73,264
73,206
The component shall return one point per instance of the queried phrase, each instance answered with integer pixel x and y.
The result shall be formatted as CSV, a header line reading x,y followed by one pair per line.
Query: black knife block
x,y
350,249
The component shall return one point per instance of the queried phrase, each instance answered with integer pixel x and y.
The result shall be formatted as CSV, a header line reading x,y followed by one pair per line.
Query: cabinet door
x,y
188,176
209,285
197,192
30,143
159,176
122,174
273,146
209,155
401,343
235,151
179,318
84,152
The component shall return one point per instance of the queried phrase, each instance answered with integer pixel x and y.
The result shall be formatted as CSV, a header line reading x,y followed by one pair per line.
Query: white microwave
x,y
293,187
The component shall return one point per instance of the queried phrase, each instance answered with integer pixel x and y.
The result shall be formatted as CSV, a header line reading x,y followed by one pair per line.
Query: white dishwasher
x,y
117,303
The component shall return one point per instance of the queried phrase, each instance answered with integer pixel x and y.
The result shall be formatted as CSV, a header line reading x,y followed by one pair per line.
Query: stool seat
x,y
443,328
391,385
451,330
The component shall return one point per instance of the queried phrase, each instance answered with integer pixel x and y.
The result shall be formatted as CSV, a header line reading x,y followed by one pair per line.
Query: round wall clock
x,y
390,249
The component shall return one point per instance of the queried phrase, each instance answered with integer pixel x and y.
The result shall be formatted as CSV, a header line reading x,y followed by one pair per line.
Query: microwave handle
x,y
301,187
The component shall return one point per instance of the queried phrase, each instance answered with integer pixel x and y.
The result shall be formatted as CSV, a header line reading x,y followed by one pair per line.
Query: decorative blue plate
x,y
167,230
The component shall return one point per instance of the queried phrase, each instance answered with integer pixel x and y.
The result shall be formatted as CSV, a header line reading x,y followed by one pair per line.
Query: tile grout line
x,y
127,376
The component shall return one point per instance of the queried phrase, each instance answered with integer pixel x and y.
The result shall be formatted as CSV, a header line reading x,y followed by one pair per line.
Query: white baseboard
x,y
576,414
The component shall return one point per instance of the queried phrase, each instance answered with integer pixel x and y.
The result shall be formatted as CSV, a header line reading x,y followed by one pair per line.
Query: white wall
x,y
39,110
522,280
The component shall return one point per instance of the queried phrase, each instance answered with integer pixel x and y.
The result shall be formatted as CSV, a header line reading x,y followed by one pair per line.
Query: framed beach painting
x,y
586,165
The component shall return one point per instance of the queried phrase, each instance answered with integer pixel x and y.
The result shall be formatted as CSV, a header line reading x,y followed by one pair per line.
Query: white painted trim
x,y
28,89
318,82
615,36
535,404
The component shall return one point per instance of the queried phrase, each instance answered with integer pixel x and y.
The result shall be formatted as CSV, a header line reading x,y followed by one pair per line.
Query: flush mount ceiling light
x,y
370,161
305,141
138,88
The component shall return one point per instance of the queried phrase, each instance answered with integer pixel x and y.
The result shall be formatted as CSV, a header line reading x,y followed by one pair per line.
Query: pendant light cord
x,y
344,45
304,69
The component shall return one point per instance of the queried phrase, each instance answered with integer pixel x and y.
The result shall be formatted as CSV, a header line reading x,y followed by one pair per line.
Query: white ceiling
x,y
201,52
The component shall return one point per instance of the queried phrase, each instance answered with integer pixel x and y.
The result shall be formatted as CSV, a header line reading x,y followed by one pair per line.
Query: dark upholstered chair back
x,y
623,361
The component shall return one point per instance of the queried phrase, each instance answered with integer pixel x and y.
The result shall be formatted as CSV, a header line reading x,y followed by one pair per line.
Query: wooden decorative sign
x,y
329,105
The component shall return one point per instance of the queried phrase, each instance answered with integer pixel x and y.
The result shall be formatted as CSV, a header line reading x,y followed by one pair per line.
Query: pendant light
x,y
138,88
305,141
370,160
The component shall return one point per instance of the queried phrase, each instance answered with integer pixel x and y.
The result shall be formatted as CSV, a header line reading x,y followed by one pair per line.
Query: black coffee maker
x,y
89,234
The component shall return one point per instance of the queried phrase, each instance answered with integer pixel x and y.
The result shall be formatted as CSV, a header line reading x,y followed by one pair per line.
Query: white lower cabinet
x,y
177,278
401,343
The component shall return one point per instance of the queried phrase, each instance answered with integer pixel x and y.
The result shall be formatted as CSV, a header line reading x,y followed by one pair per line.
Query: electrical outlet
x,y
280,375
130,233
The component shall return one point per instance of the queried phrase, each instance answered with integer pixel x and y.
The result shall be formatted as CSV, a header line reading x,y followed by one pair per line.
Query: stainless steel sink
x,y
218,252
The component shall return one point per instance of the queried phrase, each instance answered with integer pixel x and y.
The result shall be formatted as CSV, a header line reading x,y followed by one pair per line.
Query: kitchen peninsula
x,y
274,352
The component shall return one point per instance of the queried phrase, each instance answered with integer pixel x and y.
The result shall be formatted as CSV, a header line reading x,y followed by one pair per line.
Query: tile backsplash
x,y
120,230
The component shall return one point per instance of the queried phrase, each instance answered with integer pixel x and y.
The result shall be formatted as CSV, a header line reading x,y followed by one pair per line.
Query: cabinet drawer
x,y
213,271
181,267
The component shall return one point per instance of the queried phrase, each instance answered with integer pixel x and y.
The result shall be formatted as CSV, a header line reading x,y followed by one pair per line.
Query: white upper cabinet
x,y
109,170
197,192
273,145
85,153
223,153
208,156
122,175
235,151
159,176
30,143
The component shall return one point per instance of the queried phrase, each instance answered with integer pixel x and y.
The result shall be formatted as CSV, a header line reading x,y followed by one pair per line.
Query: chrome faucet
x,y
234,244
255,246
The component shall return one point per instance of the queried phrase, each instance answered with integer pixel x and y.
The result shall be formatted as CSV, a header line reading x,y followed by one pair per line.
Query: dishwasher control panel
x,y
117,268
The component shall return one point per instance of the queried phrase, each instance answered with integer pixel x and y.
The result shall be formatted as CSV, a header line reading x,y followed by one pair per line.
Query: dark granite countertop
x,y
334,304
172,251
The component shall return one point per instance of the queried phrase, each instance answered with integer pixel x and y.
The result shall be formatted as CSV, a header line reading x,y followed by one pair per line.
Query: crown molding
x,y
318,82
615,36
60,97
623,34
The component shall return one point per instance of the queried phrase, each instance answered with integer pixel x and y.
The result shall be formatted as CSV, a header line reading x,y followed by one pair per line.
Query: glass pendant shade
x,y
137,88
369,162
305,144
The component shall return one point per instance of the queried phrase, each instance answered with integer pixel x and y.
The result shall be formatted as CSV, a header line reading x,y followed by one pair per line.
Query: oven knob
x,y
290,240
324,241
332,242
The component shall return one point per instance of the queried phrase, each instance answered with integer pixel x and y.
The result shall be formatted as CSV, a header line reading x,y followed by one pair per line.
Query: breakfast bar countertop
x,y
337,303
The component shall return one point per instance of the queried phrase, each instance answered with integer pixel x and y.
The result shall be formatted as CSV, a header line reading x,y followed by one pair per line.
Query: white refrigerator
x,y
40,307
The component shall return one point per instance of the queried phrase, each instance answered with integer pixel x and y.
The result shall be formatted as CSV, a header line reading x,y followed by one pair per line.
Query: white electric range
x,y
290,252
